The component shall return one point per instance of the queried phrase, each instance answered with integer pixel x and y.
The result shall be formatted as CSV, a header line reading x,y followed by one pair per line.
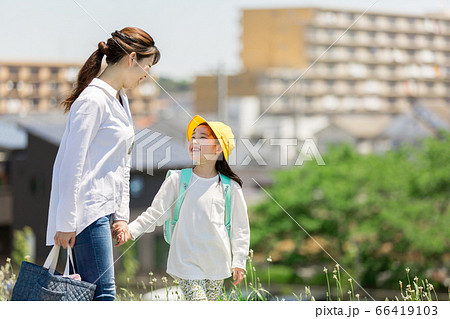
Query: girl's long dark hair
x,y
225,169
121,43
222,165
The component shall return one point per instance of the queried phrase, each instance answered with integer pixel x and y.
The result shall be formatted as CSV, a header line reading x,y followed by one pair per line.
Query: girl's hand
x,y
120,233
64,238
238,275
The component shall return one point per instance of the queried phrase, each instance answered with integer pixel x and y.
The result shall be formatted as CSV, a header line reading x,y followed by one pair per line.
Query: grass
x,y
251,288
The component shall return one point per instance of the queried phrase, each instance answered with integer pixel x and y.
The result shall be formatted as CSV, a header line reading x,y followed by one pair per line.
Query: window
x,y
35,87
13,70
54,71
331,102
34,103
392,100
54,86
34,70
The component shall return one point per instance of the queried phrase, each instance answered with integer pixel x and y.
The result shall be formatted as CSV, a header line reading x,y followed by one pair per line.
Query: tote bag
x,y
43,283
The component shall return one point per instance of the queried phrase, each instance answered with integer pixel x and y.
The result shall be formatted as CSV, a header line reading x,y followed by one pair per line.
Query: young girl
x,y
202,252
90,183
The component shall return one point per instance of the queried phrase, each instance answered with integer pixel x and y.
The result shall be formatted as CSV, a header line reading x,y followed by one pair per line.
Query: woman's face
x,y
137,70
203,146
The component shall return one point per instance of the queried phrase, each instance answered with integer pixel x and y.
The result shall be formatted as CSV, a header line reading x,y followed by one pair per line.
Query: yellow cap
x,y
222,131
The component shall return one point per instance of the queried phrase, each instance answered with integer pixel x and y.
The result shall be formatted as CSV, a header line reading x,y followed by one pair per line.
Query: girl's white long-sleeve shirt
x,y
91,172
200,246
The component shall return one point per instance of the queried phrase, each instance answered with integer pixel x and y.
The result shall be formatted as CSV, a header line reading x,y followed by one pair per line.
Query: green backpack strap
x,y
226,183
169,225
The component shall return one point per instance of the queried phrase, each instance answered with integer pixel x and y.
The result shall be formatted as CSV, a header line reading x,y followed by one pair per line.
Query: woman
x,y
90,184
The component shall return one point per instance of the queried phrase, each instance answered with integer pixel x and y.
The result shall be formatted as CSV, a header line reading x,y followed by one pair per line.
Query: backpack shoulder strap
x,y
186,174
226,183
169,225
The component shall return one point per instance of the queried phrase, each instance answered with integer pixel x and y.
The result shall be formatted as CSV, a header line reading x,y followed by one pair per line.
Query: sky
x,y
195,37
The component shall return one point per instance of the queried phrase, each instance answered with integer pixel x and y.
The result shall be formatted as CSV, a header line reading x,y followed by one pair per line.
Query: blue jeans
x,y
93,256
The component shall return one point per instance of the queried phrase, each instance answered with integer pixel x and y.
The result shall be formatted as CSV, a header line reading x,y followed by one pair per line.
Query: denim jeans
x,y
93,256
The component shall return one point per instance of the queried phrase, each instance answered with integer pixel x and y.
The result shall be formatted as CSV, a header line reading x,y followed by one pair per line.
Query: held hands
x,y
238,275
120,232
64,239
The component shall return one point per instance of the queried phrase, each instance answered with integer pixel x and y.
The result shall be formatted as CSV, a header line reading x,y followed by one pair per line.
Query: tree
x,y
373,213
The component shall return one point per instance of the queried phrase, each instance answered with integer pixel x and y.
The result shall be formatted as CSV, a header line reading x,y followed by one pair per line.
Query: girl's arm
x,y
84,121
240,228
160,210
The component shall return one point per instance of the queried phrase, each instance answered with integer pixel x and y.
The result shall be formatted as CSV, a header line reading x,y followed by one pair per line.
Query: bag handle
x,y
52,260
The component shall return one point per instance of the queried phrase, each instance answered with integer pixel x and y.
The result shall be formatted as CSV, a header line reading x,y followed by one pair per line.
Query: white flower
x,y
269,259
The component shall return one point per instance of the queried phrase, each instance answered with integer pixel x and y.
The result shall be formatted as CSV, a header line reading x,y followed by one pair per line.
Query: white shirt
x,y
91,172
200,247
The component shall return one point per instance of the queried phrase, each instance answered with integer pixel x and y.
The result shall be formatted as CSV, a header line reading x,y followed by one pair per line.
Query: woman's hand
x,y
238,275
64,238
120,232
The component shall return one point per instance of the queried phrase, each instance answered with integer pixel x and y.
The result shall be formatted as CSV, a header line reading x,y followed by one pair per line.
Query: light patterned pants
x,y
196,290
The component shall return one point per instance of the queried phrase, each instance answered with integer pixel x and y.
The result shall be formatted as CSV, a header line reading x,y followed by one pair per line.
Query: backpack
x,y
186,174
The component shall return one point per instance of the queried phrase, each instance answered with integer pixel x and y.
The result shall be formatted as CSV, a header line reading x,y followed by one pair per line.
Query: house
x,y
13,141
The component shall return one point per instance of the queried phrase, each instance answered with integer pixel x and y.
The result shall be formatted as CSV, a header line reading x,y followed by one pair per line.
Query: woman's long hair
x,y
121,43
221,163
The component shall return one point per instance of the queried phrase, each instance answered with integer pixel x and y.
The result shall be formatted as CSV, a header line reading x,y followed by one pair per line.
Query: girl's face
x,y
203,146
137,70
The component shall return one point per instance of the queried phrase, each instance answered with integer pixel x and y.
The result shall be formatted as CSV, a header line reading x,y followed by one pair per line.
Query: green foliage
x,y
21,246
372,213
172,85
129,260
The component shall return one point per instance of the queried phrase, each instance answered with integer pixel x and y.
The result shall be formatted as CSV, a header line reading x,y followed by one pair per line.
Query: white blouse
x,y
91,172
200,246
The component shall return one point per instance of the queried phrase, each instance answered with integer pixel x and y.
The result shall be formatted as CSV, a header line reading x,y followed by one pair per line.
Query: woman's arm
x,y
124,212
84,121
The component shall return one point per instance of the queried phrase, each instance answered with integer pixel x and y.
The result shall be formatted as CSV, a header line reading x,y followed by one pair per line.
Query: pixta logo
x,y
150,151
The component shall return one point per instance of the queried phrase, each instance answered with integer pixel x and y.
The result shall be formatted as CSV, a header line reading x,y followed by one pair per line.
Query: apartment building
x,y
342,61
40,86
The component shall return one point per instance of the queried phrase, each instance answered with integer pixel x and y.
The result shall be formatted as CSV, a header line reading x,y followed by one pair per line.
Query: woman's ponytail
x,y
88,72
